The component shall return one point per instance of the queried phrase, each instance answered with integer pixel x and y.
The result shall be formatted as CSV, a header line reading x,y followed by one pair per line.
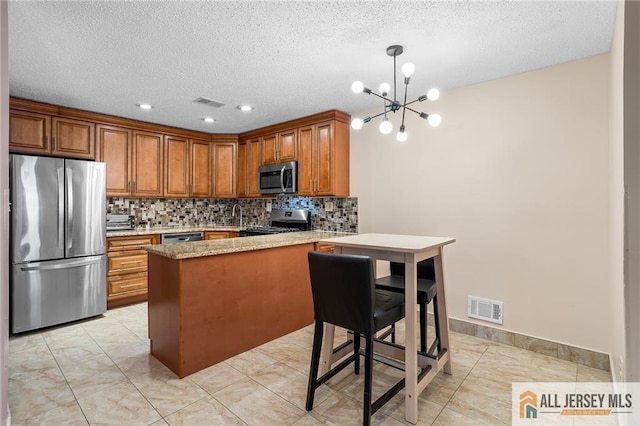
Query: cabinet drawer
x,y
327,248
114,244
127,284
127,262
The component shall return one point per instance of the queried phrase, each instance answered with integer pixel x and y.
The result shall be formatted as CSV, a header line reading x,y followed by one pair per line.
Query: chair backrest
x,y
425,269
343,288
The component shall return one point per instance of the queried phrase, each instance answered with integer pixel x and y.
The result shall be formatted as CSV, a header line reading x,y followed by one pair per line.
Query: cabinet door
x,y
29,132
287,146
176,166
325,161
269,146
201,173
114,146
224,166
254,159
243,186
147,164
73,138
305,160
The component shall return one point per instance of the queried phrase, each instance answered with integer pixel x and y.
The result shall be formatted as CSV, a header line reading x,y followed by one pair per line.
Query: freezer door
x,y
37,208
49,293
86,221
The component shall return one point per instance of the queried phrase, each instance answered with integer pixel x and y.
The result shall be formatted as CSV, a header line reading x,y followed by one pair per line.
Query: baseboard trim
x,y
562,351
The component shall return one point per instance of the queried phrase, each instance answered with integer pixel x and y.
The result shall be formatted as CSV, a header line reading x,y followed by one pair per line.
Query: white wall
x,y
518,172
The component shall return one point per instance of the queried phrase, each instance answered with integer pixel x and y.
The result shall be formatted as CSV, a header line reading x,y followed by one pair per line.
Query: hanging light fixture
x,y
393,105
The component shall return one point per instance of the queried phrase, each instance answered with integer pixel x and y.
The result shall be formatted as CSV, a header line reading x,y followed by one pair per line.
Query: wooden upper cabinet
x,y
176,167
323,159
269,144
114,148
34,133
279,147
147,174
287,145
201,165
248,163
224,161
29,132
73,138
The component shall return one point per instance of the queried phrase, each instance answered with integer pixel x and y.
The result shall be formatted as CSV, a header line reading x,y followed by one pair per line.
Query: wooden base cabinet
x,y
127,274
219,235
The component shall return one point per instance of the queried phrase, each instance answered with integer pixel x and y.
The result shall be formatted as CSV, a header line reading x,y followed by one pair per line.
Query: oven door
x,y
279,178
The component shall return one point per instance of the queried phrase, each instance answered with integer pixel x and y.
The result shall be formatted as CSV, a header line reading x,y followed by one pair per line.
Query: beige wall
x,y
518,172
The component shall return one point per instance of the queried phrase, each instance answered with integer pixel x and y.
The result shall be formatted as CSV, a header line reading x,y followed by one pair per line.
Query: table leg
x,y
411,357
443,317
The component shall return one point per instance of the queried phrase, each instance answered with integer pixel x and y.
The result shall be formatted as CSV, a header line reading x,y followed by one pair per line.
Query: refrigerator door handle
x,y
71,263
60,221
69,176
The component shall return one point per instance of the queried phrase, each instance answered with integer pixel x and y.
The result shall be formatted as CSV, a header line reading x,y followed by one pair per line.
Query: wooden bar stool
x,y
345,295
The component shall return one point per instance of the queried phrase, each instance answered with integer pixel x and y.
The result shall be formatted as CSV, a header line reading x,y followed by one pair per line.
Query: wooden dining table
x,y
419,368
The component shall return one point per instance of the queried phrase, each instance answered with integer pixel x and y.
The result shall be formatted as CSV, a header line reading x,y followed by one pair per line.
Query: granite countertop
x,y
171,230
233,245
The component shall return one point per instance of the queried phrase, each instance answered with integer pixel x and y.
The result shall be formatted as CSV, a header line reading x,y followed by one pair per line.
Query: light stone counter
x,y
172,230
234,245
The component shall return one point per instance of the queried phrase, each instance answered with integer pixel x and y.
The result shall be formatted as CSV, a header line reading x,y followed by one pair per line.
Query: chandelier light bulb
x,y
433,94
402,136
357,87
384,89
386,127
408,69
434,120
357,123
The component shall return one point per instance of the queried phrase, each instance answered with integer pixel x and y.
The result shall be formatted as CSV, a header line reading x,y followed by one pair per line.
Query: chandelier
x,y
393,105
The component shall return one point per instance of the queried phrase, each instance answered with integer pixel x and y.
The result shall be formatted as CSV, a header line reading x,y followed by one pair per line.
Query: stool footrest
x,y
338,368
387,396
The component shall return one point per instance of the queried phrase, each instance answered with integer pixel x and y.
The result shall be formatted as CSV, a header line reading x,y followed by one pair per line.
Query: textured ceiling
x,y
288,59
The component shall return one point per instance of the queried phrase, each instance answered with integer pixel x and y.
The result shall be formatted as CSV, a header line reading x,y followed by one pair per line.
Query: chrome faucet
x,y
233,213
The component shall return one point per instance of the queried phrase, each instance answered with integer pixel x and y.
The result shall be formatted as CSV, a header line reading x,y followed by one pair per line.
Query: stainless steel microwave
x,y
281,178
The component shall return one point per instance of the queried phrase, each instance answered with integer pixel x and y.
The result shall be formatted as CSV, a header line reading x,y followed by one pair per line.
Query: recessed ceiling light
x,y
208,120
144,106
245,108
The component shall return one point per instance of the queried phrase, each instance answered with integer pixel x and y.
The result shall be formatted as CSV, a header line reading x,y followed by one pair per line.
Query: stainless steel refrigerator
x,y
58,241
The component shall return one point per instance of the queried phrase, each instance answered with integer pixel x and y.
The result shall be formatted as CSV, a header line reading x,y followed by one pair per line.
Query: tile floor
x,y
100,372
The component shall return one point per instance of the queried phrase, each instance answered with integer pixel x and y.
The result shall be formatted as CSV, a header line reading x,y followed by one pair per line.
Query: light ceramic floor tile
x,y
266,385
217,377
251,361
35,392
119,405
207,411
256,405
68,415
166,392
289,384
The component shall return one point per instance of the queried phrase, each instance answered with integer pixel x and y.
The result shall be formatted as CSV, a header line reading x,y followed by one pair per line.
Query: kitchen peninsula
x,y
211,300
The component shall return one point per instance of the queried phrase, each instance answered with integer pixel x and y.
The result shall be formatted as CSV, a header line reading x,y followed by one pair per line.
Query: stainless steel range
x,y
282,220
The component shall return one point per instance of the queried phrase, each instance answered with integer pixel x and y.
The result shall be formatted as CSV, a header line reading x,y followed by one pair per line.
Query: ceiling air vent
x,y
485,309
208,102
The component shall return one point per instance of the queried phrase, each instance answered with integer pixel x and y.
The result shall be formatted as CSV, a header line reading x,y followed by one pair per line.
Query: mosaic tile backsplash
x,y
164,212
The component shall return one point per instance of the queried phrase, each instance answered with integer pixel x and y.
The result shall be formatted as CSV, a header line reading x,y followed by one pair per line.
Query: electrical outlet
x,y
328,206
269,206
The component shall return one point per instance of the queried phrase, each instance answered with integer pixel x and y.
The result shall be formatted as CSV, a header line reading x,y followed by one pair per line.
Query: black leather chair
x,y
426,294
344,295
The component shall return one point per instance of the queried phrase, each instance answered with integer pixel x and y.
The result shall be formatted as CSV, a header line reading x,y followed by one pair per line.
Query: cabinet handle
x,y
53,138
135,243
46,142
135,186
129,186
